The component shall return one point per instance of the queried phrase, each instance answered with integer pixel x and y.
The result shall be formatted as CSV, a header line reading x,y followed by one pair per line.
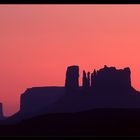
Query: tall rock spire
x,y
93,78
72,78
86,80
1,112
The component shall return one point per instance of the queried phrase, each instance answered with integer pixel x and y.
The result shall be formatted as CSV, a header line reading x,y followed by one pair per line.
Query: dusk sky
x,y
38,42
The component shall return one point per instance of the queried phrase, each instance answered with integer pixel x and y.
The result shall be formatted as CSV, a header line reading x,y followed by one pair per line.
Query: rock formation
x,y
72,78
33,100
93,78
111,78
1,112
86,80
110,88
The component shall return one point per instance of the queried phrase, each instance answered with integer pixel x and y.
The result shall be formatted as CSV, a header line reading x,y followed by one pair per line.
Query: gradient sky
x,y
38,42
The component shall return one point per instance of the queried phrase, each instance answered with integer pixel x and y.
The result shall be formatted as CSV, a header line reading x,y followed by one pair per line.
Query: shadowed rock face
x,y
72,78
110,88
93,78
1,112
111,78
33,100
86,80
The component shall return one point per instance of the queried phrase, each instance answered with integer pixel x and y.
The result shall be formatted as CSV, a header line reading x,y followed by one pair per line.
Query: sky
x,y
38,42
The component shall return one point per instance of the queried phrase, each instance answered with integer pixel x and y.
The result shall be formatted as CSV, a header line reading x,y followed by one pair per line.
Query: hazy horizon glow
x,y
38,42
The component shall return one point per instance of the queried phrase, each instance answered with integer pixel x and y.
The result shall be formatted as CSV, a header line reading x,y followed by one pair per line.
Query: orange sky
x,y
38,42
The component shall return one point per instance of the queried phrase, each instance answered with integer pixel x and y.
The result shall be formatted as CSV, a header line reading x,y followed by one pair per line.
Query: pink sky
x,y
38,42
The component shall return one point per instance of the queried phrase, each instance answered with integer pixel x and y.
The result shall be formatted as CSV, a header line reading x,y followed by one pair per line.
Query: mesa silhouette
x,y
105,88
105,104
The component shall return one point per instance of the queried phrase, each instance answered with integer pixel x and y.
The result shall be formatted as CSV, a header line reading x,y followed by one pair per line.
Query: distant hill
x,y
96,122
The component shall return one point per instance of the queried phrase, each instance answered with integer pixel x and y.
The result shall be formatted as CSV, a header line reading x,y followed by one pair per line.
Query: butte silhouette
x,y
105,104
107,87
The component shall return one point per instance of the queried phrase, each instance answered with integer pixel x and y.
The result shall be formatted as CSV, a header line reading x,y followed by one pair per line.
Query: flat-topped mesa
x,y
36,98
111,78
72,78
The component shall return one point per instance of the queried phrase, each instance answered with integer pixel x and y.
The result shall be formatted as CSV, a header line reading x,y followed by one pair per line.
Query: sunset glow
x,y
38,42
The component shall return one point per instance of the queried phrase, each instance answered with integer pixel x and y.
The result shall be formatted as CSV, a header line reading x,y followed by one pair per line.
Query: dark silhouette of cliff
x,y
109,78
110,88
106,104
33,100
105,88
1,112
72,79
93,77
86,80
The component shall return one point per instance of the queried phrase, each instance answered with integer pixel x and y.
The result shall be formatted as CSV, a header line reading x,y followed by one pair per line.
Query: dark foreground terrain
x,y
97,122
